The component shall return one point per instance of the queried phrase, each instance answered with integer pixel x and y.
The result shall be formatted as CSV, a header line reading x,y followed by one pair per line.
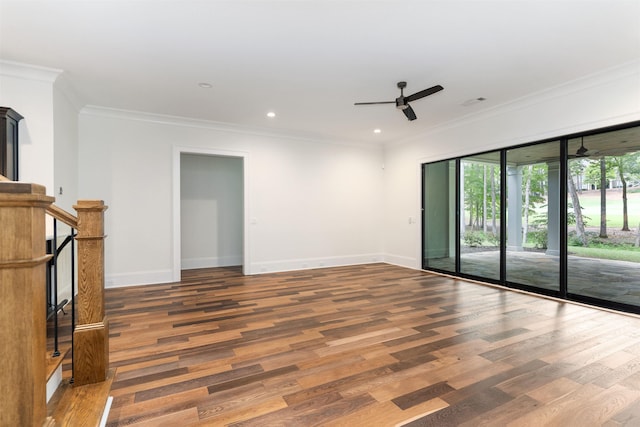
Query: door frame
x,y
177,236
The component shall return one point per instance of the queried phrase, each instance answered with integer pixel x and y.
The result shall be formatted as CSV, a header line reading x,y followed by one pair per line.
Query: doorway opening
x,y
209,209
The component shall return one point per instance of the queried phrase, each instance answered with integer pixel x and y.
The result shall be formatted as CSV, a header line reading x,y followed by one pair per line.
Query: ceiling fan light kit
x,y
402,102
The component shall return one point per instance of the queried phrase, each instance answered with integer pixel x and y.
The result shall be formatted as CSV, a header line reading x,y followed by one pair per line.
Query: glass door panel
x,y
480,215
533,216
603,231
439,228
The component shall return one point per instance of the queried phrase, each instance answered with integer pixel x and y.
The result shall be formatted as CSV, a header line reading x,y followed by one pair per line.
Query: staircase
x,y
81,406
26,367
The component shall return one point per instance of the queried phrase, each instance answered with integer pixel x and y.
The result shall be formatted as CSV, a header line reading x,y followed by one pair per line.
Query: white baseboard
x,y
309,263
402,261
54,382
105,413
211,262
166,276
138,278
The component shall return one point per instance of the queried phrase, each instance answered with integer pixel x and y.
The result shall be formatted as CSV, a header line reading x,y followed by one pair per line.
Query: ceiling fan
x,y
402,102
583,151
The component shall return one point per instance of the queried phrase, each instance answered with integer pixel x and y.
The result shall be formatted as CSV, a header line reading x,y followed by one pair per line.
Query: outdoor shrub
x,y
539,238
573,239
473,238
493,238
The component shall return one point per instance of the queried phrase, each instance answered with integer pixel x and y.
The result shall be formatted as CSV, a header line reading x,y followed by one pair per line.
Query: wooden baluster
x,y
91,335
22,304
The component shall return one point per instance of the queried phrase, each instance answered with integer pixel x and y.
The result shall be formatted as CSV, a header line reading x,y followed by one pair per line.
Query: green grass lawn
x,y
590,202
631,254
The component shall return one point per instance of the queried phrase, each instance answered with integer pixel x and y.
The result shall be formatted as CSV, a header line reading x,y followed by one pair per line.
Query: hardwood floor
x,y
371,345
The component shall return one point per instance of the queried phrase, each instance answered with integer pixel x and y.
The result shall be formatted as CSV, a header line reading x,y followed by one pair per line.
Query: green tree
x,y
494,201
626,166
575,201
473,192
535,178
603,198
480,191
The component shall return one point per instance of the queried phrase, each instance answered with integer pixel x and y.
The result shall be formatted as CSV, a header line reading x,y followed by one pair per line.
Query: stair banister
x,y
91,335
22,304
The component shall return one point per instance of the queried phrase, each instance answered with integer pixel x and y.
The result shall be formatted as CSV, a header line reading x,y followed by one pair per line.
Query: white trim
x,y
177,151
100,111
28,71
54,381
139,278
105,413
402,261
211,262
310,263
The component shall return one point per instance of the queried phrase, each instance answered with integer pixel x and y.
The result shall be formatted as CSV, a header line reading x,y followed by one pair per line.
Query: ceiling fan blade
x,y
423,93
409,113
373,103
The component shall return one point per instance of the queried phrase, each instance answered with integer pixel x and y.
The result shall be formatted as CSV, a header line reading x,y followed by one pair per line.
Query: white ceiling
x,y
310,60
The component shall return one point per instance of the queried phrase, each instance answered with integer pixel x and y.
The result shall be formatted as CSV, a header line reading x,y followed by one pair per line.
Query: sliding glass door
x,y
559,217
439,207
480,215
533,216
603,233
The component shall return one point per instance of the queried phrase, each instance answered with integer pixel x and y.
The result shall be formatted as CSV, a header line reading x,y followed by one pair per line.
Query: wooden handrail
x,y
62,215
56,212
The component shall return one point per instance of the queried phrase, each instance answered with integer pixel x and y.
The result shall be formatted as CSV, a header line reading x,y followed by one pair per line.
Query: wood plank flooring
x,y
370,345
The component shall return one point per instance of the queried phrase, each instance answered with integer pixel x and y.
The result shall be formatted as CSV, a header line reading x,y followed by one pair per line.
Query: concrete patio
x,y
617,281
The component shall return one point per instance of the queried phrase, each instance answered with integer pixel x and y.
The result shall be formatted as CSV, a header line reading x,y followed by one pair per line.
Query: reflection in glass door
x,y
533,216
480,215
603,231
439,228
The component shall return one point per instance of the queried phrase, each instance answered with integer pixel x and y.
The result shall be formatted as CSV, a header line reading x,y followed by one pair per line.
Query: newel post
x,y
91,335
23,304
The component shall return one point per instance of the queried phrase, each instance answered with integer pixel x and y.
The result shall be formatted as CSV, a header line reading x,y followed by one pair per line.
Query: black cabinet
x,y
9,119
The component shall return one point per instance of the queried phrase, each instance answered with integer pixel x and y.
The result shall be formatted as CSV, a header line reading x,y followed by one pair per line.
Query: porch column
x,y
553,209
514,208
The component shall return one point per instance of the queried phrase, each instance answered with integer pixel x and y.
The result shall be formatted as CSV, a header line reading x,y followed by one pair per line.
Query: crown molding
x,y
601,78
28,71
100,111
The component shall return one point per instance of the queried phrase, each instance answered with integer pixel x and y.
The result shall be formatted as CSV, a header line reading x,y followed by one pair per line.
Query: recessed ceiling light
x,y
271,114
377,131
205,85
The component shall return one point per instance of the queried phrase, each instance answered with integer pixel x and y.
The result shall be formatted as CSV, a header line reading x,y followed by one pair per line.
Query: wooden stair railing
x,y
22,299
22,304
91,334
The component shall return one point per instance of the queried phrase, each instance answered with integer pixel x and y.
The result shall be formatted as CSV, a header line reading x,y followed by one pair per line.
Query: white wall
x,y
29,91
609,98
65,138
48,138
308,204
212,214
